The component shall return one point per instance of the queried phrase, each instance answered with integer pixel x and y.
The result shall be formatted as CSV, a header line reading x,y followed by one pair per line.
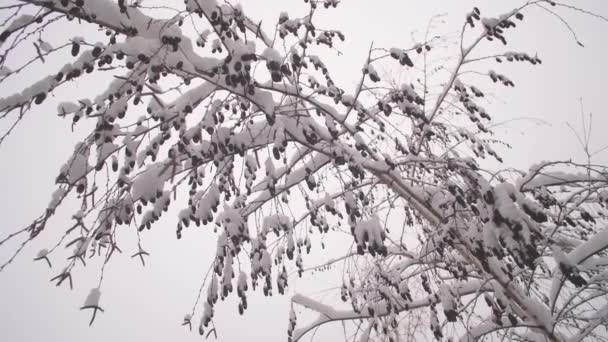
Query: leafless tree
x,y
249,133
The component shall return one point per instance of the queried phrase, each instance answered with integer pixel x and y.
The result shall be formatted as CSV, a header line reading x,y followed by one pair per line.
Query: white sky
x,y
149,303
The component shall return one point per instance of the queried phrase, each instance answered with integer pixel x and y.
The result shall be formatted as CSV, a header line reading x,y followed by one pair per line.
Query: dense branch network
x,y
257,140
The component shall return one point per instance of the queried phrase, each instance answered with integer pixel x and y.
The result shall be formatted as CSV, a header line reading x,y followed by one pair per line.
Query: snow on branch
x,y
210,121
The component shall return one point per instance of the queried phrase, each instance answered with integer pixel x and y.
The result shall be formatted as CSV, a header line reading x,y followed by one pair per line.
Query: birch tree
x,y
248,134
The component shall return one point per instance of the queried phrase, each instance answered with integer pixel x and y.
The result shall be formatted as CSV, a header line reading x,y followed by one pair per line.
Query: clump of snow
x,y
92,299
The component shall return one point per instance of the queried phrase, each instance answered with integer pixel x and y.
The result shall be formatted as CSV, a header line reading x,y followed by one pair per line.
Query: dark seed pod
x,y
405,60
75,49
96,51
276,77
285,70
39,98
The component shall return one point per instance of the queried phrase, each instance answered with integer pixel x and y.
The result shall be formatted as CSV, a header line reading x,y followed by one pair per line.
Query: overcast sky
x,y
149,303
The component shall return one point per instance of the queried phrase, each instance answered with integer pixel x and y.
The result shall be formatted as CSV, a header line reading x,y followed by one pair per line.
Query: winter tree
x,y
246,133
